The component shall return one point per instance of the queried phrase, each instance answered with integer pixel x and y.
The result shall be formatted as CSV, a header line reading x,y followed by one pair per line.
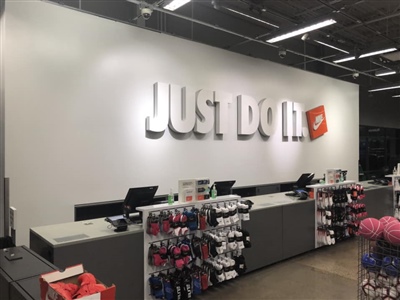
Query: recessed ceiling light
x,y
301,31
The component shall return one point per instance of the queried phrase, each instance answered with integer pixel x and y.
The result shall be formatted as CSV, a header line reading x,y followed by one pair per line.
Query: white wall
x,y
78,90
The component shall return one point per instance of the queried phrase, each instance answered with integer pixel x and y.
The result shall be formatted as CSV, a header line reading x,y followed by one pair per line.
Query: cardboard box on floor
x,y
70,275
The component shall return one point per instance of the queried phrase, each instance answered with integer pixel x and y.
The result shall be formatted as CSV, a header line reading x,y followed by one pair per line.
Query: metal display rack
x,y
337,213
378,280
150,239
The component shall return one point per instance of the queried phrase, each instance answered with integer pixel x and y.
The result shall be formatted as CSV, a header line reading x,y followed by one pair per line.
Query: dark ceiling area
x,y
245,26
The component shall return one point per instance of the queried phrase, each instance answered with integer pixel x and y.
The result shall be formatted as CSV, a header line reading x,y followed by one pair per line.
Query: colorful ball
x,y
371,262
383,280
387,293
368,286
371,229
392,233
387,219
391,266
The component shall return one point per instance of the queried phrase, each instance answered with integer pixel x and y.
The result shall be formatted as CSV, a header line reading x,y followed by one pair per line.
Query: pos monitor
x,y
223,187
303,181
139,196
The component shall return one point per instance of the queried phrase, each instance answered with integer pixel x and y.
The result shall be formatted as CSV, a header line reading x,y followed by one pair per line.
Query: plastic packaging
x,y
214,192
170,197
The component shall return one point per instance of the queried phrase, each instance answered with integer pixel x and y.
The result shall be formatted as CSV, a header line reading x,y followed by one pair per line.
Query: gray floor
x,y
325,273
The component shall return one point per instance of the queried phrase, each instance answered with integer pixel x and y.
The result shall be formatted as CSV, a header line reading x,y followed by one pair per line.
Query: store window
x,y
379,151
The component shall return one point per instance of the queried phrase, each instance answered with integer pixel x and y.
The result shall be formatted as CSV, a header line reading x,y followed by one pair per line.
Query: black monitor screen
x,y
303,181
224,187
140,196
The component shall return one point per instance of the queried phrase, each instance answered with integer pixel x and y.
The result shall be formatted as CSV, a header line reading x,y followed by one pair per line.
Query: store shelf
x,y
335,219
163,238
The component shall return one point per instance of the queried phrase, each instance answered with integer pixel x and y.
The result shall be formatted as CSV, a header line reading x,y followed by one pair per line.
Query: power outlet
x,y
13,218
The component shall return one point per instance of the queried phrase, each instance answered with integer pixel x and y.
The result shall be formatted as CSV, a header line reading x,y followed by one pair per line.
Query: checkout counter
x,y
280,227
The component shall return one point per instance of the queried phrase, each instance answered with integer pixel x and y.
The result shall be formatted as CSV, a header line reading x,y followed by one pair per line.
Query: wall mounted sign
x,y
316,120
184,109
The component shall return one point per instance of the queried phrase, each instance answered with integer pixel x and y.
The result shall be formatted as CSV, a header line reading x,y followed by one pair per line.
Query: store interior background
x,y
77,94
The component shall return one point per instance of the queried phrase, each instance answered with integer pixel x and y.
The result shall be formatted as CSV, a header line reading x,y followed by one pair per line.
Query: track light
x,y
251,17
331,46
175,4
384,72
377,52
344,59
301,31
392,87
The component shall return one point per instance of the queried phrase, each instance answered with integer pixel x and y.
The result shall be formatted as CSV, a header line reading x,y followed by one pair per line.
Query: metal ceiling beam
x,y
389,65
317,7
370,21
156,8
359,21
271,12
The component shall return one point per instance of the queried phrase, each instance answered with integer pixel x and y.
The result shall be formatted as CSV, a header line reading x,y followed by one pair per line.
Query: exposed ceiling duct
x,y
243,26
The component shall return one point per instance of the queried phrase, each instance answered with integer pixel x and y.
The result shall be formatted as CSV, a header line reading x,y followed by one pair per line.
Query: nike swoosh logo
x,y
316,125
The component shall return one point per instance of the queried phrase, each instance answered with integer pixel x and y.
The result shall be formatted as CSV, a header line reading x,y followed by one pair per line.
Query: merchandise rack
x,y
319,189
149,239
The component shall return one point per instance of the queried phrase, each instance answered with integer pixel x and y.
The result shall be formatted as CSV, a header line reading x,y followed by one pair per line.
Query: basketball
x,y
387,219
371,262
371,229
392,233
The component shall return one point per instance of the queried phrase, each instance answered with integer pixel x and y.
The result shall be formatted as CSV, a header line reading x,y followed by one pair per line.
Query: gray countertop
x,y
81,231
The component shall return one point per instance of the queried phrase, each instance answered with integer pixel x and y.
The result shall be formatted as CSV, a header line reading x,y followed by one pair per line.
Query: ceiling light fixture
x,y
344,59
331,46
251,17
385,88
301,31
384,72
377,52
175,4
396,96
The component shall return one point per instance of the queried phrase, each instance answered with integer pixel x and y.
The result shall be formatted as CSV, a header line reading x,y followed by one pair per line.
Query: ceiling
x,y
236,25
